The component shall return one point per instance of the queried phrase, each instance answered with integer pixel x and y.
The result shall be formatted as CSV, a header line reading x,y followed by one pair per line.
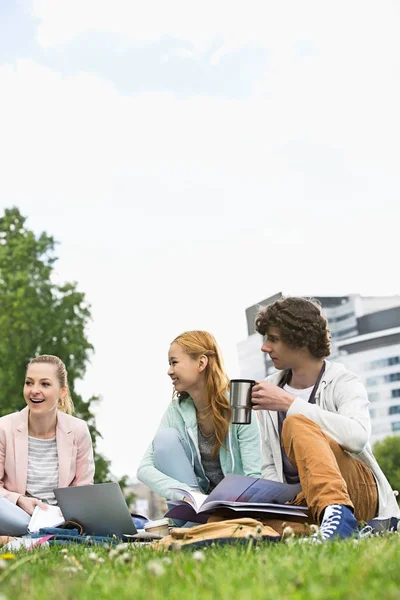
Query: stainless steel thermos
x,y
240,400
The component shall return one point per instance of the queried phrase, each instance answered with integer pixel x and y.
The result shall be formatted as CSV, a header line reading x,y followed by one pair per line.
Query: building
x,y
146,502
365,338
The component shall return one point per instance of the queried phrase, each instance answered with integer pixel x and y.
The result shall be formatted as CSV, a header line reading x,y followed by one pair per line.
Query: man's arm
x,y
350,426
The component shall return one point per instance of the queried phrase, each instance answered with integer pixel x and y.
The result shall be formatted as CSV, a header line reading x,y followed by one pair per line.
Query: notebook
x,y
49,517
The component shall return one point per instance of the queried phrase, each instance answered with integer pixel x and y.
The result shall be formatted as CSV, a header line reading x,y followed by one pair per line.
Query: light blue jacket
x,y
240,454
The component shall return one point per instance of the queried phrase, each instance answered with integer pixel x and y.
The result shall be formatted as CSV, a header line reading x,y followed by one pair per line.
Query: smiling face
x,y
186,373
42,388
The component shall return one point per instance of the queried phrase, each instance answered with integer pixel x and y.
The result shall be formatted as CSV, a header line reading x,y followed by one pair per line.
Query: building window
x,y
396,426
374,397
396,393
341,318
345,333
394,410
392,377
371,381
380,427
383,362
372,412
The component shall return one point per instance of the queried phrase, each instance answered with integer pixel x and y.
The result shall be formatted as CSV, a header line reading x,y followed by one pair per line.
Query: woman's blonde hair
x,y
65,401
202,343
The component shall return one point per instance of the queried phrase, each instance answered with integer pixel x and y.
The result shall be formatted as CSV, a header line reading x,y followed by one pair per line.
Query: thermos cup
x,y
240,400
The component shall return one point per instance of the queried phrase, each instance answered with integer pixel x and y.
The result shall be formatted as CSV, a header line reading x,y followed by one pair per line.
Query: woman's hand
x,y
28,504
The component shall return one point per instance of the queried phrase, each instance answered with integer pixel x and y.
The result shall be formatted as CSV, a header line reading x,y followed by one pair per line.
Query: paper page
x,y
259,505
282,512
26,543
196,499
51,517
282,509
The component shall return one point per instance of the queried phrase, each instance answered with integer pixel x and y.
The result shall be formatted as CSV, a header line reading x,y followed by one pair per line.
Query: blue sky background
x,y
194,158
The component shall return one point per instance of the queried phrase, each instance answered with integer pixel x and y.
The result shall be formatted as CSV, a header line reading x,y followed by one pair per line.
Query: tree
x,y
387,453
38,316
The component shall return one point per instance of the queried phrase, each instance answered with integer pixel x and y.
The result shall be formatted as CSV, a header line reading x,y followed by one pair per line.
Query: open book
x,y
244,496
51,517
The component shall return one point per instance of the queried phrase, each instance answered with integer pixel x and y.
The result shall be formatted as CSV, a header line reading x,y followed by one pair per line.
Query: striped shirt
x,y
42,469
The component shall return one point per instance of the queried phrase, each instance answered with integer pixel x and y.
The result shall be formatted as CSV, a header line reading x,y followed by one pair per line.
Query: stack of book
x,y
237,495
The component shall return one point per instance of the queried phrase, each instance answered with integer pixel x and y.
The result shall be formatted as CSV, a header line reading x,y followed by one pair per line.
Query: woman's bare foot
x,y
4,539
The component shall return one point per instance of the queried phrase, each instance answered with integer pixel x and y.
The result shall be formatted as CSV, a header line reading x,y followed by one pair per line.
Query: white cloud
x,y
343,26
184,19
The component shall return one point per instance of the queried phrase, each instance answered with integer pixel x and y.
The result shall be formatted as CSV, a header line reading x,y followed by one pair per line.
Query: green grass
x,y
366,569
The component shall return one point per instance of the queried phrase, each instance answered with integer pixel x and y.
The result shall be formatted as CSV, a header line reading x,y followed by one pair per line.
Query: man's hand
x,y
28,504
267,396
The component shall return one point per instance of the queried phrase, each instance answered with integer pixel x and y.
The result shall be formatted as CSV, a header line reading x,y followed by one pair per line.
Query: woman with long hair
x,y
196,445
43,447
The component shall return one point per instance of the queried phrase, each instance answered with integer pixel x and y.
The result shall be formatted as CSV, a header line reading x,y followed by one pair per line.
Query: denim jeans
x,y
172,456
13,520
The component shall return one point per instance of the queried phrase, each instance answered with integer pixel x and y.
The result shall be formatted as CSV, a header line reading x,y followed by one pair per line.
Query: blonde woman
x,y
196,445
42,447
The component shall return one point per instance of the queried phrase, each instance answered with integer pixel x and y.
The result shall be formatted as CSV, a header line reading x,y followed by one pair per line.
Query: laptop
x,y
99,508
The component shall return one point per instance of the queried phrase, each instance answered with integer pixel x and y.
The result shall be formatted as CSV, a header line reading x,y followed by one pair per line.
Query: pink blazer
x,y
74,447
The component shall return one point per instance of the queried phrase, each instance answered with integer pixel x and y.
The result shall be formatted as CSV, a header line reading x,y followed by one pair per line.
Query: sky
x,y
193,158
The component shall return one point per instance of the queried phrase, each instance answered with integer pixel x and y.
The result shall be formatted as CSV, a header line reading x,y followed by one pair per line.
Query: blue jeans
x,y
13,520
172,456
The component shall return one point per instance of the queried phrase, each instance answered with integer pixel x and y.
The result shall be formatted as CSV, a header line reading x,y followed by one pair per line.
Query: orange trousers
x,y
328,474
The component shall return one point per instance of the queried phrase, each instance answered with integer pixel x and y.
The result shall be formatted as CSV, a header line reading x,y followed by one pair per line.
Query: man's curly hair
x,y
300,322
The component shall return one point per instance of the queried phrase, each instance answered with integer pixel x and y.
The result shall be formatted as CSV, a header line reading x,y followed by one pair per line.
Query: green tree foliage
x,y
38,316
387,453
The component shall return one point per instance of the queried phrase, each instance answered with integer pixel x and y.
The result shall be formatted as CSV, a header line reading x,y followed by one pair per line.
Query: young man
x,y
315,424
